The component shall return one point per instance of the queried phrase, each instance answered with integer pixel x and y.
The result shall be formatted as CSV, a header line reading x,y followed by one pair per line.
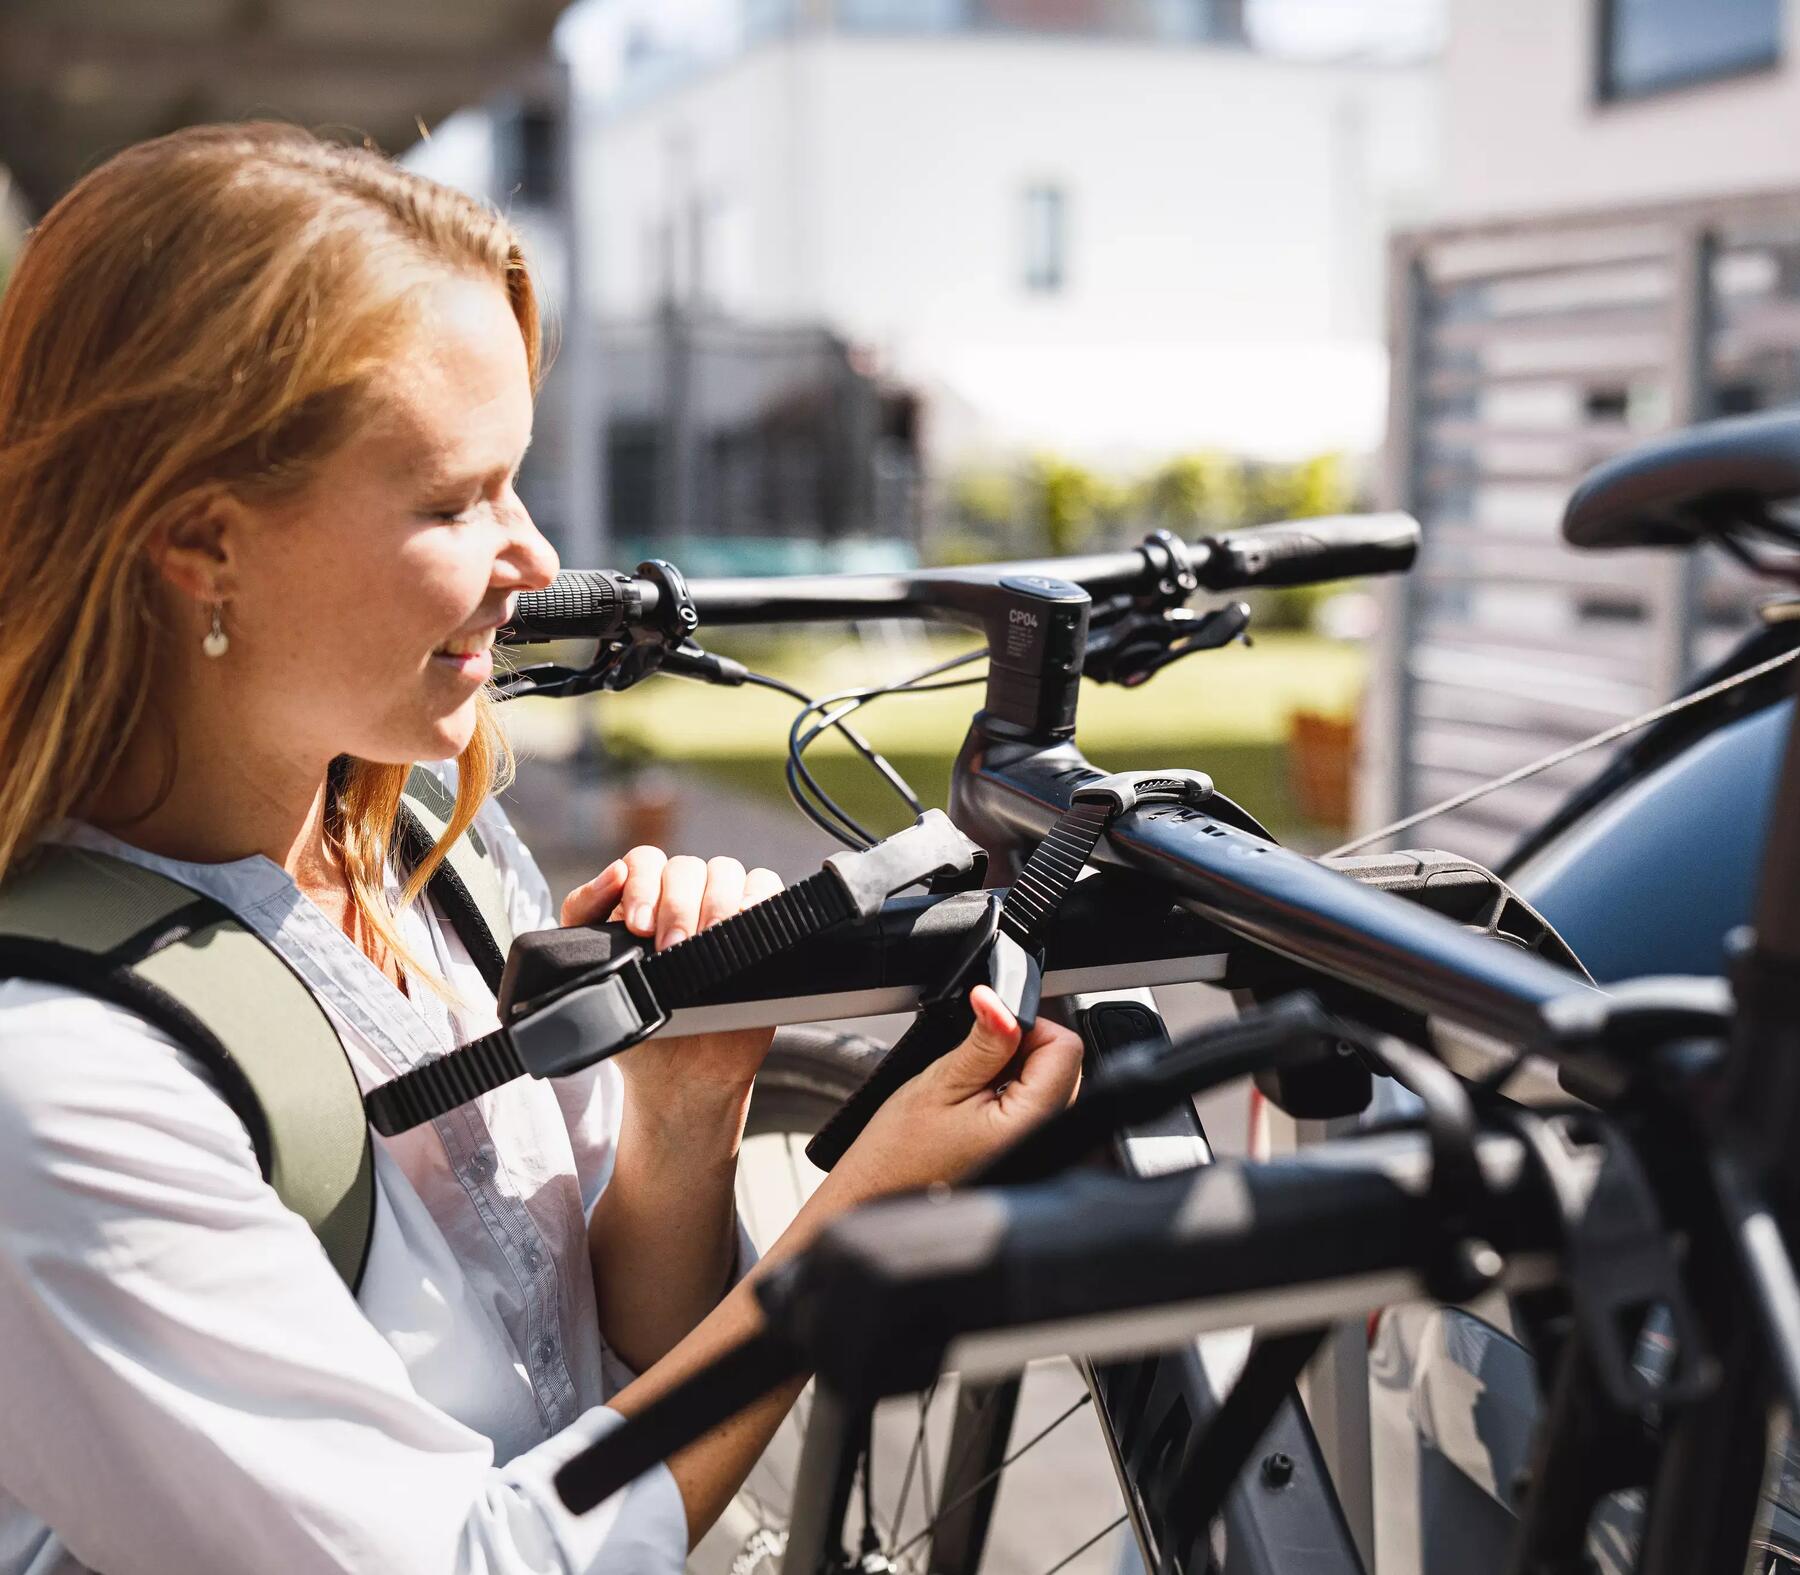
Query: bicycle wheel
x,y
913,1488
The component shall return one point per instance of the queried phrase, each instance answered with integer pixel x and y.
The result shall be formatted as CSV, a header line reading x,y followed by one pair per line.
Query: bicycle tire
x,y
807,1074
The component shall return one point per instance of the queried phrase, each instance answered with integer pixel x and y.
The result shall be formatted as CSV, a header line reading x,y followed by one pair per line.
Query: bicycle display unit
x,y
1619,1164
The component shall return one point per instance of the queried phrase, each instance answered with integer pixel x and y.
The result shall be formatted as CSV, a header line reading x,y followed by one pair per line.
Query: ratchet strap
x,y
1005,953
571,997
1052,870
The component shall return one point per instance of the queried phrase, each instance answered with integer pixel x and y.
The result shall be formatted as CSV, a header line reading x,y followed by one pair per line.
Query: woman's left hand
x,y
666,900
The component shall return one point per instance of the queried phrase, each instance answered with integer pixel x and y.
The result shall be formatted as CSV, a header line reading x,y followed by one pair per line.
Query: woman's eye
x,y
453,516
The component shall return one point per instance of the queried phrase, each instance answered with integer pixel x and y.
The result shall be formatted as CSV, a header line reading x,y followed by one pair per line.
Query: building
x,y
1620,253
1108,229
1116,231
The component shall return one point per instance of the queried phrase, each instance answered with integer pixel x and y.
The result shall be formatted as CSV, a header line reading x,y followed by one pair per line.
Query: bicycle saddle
x,y
1677,489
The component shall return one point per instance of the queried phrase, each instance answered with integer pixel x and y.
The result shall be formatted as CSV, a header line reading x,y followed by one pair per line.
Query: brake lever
x,y
625,659
1137,645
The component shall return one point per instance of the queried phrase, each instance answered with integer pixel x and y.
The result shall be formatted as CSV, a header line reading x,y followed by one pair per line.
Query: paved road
x,y
1062,1492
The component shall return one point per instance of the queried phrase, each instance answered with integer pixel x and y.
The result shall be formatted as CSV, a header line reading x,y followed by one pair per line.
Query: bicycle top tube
x,y
1008,793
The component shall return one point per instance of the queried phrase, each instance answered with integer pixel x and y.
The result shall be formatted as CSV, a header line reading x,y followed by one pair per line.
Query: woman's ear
x,y
196,548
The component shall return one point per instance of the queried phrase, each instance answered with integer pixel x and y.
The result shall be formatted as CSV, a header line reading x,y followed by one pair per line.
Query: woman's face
x,y
362,612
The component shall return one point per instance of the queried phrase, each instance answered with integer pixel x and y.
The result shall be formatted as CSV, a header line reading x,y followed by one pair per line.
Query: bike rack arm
x,y
987,1279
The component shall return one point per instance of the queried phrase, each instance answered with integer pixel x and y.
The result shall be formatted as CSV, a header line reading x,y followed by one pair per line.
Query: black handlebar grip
x,y
578,603
1310,552
935,1032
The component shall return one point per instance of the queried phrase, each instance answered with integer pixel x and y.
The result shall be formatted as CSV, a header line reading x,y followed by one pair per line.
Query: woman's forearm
x,y
671,1203
709,1471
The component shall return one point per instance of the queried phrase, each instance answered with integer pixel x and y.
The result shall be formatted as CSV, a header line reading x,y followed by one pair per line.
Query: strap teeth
x,y
1052,870
438,1086
698,964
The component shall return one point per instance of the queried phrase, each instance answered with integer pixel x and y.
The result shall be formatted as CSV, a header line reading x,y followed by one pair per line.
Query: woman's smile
x,y
470,656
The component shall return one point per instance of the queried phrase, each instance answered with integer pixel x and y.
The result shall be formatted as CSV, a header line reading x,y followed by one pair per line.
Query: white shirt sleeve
x,y
189,1385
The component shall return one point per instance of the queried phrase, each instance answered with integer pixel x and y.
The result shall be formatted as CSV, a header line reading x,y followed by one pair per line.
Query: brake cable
x,y
1605,736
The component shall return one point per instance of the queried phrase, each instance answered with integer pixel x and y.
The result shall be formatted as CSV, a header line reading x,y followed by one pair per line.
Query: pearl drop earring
x,y
217,642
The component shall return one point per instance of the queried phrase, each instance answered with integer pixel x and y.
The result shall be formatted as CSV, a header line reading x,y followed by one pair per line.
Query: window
x,y
526,148
1046,238
902,16
769,18
1647,46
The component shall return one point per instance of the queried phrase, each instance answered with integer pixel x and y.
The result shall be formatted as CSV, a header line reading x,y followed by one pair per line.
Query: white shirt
x,y
187,1384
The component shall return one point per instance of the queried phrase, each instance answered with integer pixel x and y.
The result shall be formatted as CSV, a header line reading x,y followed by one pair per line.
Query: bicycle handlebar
x,y
590,603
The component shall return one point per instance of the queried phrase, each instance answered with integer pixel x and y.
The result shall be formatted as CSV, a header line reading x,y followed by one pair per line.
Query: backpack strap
x,y
127,934
466,886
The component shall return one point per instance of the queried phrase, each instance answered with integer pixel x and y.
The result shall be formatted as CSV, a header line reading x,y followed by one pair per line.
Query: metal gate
x,y
1523,354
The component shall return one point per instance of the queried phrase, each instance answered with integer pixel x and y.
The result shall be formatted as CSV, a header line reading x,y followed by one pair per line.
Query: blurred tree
x,y
1204,491
1070,505
1320,485
985,498
1055,505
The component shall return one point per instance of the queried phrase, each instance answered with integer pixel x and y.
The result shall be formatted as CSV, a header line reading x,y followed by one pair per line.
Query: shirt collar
x,y
238,884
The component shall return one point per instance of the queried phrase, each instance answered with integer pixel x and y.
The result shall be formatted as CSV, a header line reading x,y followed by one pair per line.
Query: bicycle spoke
x,y
764,1519
912,1458
975,1487
926,1478
1063,1564
872,1537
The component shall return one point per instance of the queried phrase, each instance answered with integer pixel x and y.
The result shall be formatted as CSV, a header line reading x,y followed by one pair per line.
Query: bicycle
x,y
1430,971
643,624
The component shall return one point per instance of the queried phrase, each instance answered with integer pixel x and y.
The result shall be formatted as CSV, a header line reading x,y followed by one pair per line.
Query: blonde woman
x,y
262,403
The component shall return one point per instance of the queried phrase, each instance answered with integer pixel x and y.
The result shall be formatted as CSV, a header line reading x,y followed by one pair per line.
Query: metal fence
x,y
1523,354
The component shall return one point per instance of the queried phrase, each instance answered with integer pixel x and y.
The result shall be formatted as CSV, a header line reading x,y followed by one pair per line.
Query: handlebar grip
x,y
579,603
934,1033
1310,552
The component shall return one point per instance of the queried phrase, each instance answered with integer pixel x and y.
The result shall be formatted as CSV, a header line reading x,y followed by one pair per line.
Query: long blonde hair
x,y
202,313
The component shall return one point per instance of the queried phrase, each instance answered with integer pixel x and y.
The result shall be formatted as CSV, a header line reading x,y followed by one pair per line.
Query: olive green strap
x,y
114,929
466,886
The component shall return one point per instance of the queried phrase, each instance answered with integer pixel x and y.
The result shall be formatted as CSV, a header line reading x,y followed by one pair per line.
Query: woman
x,y
262,403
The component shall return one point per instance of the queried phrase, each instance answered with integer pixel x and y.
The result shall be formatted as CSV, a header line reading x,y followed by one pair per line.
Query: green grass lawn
x,y
1225,712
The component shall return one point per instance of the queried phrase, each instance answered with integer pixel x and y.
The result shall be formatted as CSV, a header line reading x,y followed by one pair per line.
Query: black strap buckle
x,y
992,957
606,1009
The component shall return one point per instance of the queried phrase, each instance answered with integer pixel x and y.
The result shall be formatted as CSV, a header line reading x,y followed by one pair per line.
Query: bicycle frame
x,y
1010,783
1705,1489
1012,780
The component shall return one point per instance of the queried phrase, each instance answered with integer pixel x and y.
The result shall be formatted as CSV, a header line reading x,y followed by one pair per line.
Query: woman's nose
x,y
529,553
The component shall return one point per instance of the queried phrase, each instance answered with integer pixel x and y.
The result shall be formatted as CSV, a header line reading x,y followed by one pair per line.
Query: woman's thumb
x,y
992,1042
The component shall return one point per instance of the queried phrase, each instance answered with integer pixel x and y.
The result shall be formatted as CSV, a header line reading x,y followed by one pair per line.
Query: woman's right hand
x,y
967,1105
960,1110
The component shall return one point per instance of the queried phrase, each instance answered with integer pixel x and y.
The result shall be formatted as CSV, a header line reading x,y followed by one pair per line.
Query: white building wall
x,y
1525,132
1225,221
